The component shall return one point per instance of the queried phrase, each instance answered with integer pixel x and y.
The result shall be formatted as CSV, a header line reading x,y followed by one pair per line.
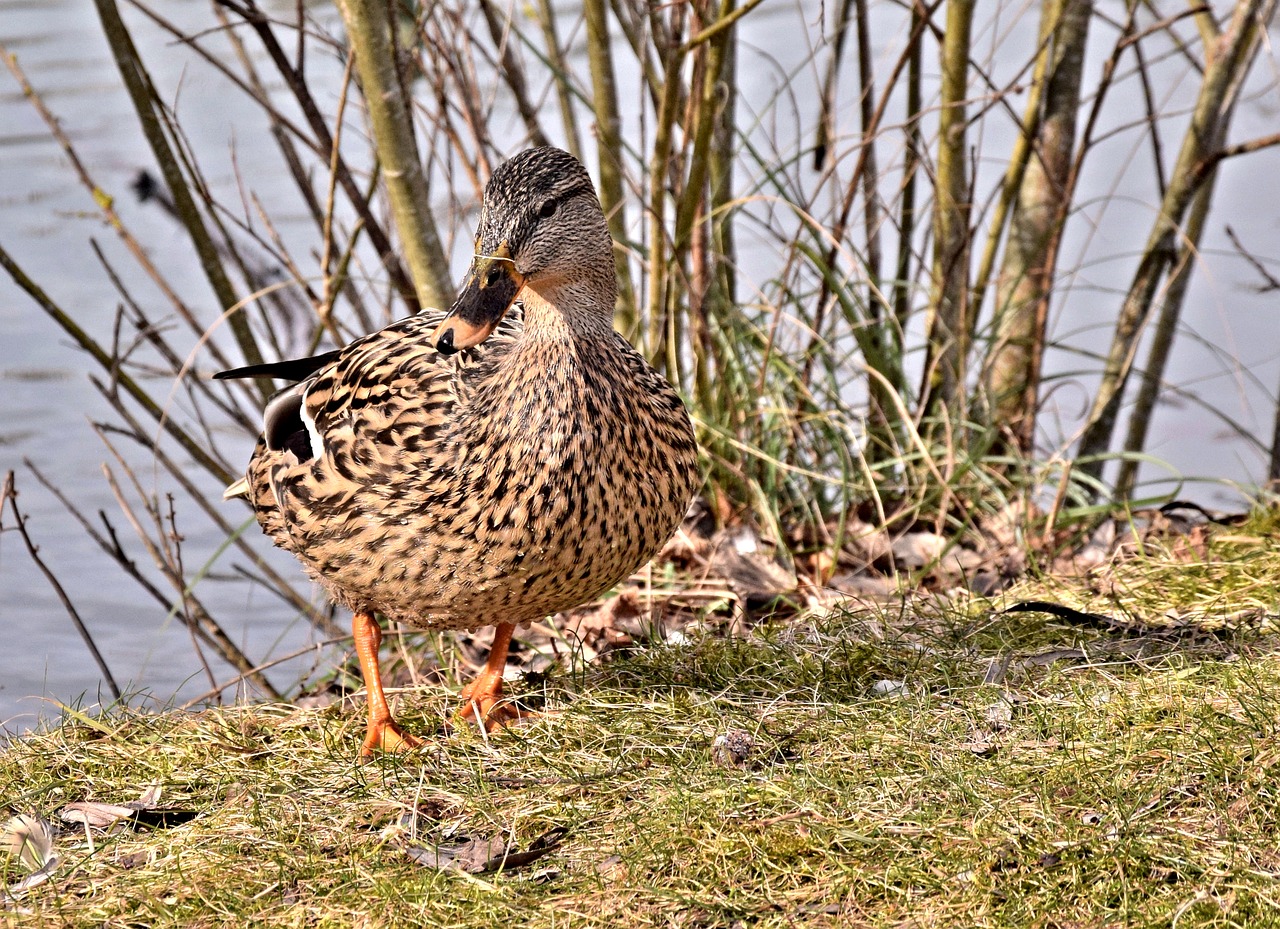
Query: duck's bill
x,y
487,294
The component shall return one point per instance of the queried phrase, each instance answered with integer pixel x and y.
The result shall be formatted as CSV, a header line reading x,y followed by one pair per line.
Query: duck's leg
x,y
482,700
383,734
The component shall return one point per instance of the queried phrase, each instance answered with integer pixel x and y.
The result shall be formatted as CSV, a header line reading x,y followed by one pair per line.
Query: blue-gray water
x,y
1228,357
47,220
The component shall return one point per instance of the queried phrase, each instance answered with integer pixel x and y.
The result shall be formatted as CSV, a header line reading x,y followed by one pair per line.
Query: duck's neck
x,y
571,312
541,379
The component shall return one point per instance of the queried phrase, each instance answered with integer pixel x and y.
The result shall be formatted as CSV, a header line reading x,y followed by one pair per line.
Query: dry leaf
x,y
485,856
149,799
92,813
614,623
140,812
917,549
470,855
758,580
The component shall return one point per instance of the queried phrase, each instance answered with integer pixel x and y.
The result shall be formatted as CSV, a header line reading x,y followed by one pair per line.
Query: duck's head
x,y
541,230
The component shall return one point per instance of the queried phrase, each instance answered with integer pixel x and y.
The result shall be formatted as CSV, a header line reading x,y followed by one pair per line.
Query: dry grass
x,y
1152,572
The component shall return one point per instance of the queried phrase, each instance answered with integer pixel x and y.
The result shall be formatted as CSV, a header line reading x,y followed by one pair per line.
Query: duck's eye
x,y
548,209
494,275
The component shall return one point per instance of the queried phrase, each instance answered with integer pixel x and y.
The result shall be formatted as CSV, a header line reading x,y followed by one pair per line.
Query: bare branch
x,y
10,497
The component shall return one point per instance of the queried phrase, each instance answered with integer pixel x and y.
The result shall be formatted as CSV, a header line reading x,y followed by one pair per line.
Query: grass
x,y
1074,793
1208,578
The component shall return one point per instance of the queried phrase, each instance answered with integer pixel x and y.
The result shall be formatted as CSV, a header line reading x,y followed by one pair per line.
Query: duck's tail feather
x,y
293,369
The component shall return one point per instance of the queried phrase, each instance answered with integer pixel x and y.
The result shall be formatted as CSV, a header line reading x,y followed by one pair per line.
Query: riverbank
x,y
937,762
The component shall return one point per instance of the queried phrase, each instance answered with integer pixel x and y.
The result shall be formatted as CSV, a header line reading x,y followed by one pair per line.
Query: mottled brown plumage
x,y
482,467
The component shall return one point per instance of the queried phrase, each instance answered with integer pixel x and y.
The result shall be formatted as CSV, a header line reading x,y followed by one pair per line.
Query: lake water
x,y
48,221
1229,357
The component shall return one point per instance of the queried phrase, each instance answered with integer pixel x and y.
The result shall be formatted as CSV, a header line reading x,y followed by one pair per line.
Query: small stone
x,y
890,688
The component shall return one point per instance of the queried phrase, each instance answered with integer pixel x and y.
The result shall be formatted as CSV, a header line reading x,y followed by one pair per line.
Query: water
x,y
48,220
1230,360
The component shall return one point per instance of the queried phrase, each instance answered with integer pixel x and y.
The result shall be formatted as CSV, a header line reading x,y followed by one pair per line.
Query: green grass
x,y
1075,794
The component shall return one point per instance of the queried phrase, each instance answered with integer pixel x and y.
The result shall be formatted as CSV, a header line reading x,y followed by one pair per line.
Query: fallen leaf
x,y
485,856
739,556
917,549
141,812
92,813
981,745
470,855
614,623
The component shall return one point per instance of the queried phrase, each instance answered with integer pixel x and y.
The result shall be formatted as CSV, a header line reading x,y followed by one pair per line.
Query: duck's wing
x,y
378,399
359,406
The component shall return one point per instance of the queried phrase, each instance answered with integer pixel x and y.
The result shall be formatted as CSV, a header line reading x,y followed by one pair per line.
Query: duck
x,y
491,465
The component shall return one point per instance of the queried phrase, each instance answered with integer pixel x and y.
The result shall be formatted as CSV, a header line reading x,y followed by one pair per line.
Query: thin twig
x,y
10,497
297,85
1270,281
258,669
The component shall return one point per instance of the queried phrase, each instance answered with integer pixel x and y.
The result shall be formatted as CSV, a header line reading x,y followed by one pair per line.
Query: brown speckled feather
x,y
514,479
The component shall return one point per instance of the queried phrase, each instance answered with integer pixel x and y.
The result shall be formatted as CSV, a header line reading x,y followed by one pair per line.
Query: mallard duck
x,y
492,465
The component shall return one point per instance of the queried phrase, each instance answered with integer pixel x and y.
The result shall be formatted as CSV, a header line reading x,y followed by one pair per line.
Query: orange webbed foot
x,y
382,735
484,704
482,699
386,736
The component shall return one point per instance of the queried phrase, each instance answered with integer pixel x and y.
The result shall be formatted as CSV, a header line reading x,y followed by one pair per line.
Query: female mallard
x,y
488,466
